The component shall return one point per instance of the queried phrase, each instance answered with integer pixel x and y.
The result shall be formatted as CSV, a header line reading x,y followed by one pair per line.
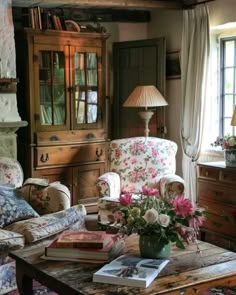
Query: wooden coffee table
x,y
187,273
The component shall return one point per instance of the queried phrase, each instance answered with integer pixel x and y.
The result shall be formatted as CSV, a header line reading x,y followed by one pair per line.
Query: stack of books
x,y
86,246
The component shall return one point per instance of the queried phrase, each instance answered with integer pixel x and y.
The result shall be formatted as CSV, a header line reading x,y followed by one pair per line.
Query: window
x,y
227,84
221,87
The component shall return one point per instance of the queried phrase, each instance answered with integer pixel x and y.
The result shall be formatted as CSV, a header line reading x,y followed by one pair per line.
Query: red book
x,y
82,239
113,247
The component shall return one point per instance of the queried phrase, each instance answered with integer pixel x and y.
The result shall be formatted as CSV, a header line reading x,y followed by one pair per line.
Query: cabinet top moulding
x,y
66,34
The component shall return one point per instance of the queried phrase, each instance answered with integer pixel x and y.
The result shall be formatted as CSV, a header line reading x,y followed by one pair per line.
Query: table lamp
x,y
145,96
233,120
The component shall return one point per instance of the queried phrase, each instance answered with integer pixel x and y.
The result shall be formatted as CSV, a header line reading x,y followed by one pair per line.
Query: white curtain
x,y
194,64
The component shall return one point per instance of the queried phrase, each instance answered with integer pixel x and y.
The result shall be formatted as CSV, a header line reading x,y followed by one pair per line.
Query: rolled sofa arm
x,y
108,185
46,197
171,185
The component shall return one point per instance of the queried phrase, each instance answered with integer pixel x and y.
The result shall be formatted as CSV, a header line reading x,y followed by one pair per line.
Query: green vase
x,y
151,247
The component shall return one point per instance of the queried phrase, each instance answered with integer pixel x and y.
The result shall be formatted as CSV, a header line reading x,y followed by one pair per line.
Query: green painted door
x,y
136,63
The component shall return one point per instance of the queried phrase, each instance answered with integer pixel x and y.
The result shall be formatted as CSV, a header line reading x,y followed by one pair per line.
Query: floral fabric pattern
x,y
46,198
140,161
109,185
7,277
13,207
136,162
171,185
10,172
10,241
36,229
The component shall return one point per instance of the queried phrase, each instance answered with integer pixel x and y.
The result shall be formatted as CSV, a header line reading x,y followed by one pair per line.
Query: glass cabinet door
x,y
52,90
86,89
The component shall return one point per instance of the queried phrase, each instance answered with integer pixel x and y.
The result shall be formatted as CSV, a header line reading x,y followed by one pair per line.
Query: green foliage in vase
x,y
175,220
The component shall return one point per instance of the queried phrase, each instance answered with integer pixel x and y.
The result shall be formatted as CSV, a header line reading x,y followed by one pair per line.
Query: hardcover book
x,y
81,260
130,270
82,239
113,246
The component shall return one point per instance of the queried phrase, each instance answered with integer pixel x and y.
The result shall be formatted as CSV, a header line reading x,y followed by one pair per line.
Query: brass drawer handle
x,y
44,158
98,154
90,136
218,193
54,138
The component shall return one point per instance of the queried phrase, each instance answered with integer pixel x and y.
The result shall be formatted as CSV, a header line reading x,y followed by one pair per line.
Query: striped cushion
x,y
36,229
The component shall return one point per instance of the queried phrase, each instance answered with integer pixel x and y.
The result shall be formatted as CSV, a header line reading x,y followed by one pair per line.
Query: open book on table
x,y
130,270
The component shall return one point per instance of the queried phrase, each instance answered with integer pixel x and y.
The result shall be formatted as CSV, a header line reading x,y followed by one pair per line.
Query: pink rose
x,y
148,191
126,199
196,221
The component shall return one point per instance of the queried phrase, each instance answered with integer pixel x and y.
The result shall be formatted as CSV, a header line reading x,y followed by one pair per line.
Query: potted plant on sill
x,y
228,145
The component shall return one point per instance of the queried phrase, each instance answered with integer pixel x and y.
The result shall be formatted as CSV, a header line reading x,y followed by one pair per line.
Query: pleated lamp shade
x,y
233,120
145,96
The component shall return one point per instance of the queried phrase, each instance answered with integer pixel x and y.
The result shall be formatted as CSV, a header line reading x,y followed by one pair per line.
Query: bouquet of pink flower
x,y
227,142
175,220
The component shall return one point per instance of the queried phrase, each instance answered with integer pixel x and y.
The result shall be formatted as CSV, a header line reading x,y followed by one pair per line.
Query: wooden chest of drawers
x,y
217,193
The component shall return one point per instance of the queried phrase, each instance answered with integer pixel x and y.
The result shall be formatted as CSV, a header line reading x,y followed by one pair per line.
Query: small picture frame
x,y
173,70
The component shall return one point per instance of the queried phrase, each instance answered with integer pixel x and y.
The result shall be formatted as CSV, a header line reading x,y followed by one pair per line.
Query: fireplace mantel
x,y
8,146
9,127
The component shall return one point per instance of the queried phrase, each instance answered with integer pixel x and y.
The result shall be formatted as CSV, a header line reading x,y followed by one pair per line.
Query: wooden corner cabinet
x,y
61,94
217,193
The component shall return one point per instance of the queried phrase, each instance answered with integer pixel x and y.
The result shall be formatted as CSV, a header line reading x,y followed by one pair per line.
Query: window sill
x,y
211,155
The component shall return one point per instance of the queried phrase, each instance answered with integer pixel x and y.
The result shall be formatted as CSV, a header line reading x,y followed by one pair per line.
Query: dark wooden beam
x,y
119,4
92,15
104,15
189,4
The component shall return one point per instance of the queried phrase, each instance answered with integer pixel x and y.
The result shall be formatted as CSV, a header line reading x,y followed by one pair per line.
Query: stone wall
x,y
10,120
7,44
8,104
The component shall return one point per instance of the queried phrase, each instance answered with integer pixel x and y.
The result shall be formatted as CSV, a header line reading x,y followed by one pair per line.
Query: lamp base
x,y
146,116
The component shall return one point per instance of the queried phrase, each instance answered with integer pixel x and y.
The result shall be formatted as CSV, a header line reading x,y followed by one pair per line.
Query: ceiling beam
x,y
127,4
94,15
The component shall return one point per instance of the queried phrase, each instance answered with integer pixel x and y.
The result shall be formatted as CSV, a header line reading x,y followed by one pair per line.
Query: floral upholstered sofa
x,y
136,162
31,215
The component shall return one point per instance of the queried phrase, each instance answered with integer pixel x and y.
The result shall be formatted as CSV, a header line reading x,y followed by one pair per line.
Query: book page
x,y
135,261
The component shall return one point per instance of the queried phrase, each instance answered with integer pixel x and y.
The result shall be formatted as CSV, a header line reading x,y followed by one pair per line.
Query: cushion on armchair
x,y
10,241
171,185
141,160
13,207
136,162
46,197
36,229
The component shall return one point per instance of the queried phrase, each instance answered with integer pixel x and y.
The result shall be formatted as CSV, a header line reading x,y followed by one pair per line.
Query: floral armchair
x,y
136,162
31,214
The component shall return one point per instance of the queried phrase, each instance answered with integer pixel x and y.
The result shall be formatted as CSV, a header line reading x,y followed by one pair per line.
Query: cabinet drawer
x,y
208,173
228,176
217,223
62,174
69,137
64,155
216,193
